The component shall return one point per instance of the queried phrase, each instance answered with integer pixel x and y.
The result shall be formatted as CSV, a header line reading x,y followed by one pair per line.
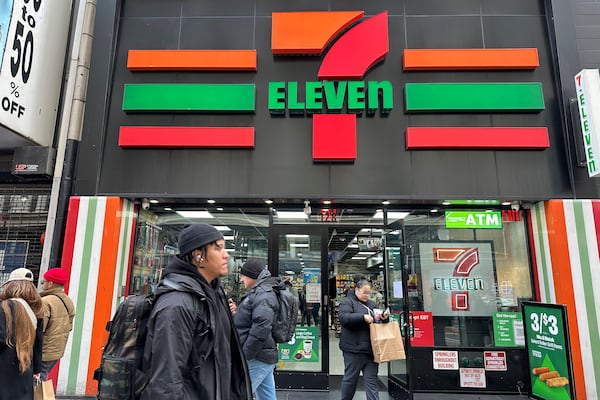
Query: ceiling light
x,y
195,214
446,203
154,201
326,201
385,202
299,245
434,210
294,235
506,203
210,201
222,228
228,237
219,208
168,209
358,258
392,215
353,246
268,201
289,272
229,250
291,215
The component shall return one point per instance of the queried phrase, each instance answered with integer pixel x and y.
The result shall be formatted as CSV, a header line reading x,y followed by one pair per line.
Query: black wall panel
x,y
281,163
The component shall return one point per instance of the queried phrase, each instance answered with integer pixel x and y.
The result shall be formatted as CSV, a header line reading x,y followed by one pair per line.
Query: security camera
x,y
145,204
307,210
515,206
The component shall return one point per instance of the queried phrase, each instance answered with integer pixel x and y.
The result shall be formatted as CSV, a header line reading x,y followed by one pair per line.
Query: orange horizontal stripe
x,y
191,60
308,32
470,59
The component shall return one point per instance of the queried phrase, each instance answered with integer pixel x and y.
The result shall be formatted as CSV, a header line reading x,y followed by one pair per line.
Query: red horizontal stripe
x,y
477,138
184,136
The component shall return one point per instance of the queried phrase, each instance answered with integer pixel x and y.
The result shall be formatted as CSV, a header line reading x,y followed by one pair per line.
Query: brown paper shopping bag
x,y
386,342
43,390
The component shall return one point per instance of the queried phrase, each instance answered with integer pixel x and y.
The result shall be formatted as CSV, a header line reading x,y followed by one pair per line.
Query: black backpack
x,y
286,319
120,376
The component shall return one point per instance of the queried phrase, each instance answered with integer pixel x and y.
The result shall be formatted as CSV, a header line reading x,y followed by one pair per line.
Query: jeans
x,y
261,377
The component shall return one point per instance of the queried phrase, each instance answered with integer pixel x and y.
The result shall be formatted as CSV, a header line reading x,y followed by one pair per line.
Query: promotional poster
x,y
547,342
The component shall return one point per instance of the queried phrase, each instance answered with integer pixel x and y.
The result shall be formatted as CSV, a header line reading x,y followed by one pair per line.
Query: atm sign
x,y
473,220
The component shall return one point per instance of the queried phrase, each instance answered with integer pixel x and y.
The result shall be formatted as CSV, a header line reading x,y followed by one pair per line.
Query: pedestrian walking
x,y
21,313
192,348
59,313
356,313
253,319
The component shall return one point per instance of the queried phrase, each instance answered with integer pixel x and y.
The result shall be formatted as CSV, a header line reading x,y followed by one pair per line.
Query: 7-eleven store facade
x,y
395,127
565,241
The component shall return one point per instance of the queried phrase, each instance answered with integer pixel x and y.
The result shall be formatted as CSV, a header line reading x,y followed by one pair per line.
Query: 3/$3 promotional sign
x,y
33,40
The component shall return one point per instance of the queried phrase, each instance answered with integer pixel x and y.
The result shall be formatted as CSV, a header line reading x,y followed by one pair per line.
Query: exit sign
x,y
473,219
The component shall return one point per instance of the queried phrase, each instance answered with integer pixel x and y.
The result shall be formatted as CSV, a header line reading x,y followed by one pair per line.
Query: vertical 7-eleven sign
x,y
458,277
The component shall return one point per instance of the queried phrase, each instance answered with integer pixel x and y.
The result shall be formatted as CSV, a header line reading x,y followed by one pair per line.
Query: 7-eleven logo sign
x,y
340,75
461,282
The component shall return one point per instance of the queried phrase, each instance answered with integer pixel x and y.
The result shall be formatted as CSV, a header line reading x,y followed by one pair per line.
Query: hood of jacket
x,y
186,276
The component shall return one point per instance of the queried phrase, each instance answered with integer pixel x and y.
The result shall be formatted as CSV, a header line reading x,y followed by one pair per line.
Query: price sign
x,y
547,343
33,41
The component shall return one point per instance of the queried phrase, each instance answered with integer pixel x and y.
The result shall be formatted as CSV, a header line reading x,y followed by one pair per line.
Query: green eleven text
x,y
333,95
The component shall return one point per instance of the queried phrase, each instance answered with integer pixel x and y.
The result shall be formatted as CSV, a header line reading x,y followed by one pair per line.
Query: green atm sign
x,y
473,219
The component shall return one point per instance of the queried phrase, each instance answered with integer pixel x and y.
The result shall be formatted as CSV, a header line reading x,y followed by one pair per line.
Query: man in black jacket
x,y
192,349
254,321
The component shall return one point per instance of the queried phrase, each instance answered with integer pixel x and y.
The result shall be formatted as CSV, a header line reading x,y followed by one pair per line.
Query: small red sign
x,y
495,360
422,328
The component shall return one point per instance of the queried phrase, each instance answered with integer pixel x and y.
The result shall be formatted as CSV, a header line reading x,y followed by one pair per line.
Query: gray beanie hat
x,y
252,269
195,236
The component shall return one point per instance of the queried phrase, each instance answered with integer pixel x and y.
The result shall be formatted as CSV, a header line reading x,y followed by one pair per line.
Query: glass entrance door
x,y
299,254
398,295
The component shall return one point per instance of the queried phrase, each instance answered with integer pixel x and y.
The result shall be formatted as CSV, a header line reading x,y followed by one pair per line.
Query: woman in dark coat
x,y
21,310
356,313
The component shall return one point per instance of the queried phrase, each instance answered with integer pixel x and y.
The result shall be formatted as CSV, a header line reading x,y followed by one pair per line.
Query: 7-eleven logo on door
x,y
461,283
340,75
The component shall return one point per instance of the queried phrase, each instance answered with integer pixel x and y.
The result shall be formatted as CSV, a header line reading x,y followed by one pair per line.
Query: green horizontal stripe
x,y
189,97
432,97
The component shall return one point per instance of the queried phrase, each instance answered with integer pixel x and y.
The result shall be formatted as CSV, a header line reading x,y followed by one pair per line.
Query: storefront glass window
x,y
463,286
245,232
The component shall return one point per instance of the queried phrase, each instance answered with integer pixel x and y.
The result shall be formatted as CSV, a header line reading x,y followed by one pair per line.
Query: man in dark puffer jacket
x,y
192,349
254,321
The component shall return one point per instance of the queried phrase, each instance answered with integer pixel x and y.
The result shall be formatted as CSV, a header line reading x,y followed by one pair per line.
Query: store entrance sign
x,y
587,83
548,351
473,220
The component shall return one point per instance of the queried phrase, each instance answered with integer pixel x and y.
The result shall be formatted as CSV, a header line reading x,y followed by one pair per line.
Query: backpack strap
x,y
62,301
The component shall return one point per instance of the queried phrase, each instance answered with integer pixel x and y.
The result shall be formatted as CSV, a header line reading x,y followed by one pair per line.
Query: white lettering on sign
x,y
445,359
458,284
587,83
482,219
